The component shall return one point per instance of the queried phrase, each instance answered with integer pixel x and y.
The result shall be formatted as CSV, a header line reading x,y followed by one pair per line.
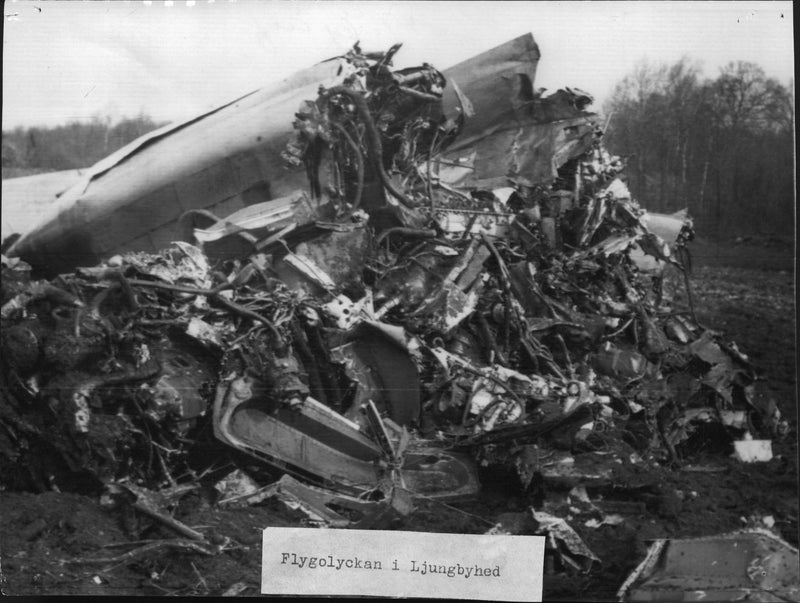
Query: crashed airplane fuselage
x,y
428,269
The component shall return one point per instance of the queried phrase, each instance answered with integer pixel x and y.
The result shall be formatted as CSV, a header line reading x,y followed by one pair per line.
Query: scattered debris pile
x,y
453,290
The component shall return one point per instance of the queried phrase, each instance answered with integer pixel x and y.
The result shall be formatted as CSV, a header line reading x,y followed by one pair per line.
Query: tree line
x,y
723,147
75,145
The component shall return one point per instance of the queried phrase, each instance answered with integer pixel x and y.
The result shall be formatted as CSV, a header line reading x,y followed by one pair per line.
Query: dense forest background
x,y
723,148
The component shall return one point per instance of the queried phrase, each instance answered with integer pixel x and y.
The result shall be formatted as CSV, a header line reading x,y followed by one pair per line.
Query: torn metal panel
x,y
527,153
751,565
498,84
666,226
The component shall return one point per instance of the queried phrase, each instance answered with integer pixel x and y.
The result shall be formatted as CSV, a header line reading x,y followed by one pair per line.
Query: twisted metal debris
x,y
454,288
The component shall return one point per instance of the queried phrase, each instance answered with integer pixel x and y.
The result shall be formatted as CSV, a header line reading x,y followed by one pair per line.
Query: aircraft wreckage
x,y
372,280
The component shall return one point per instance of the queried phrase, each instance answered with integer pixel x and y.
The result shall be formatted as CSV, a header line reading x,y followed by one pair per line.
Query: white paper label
x,y
307,561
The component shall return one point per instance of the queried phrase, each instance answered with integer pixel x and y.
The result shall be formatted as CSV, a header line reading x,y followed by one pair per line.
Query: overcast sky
x,y
71,60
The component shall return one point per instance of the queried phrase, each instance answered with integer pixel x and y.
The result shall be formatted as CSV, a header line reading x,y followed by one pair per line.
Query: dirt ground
x,y
745,290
